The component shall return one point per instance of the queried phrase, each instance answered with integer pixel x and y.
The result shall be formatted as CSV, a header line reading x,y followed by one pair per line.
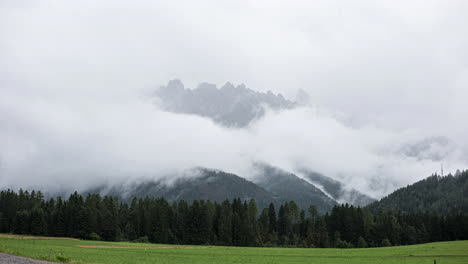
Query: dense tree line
x,y
233,222
436,194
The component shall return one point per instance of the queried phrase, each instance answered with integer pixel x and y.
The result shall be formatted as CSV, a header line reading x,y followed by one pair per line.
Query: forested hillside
x,y
286,186
435,194
337,190
207,184
226,223
270,185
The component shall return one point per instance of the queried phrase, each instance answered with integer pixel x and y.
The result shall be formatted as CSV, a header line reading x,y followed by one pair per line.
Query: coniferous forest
x,y
236,222
435,194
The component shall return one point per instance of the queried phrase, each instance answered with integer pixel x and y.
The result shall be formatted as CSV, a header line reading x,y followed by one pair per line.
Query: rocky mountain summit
x,y
232,106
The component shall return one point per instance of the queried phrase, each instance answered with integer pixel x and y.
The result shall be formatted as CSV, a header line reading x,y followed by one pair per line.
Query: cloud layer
x,y
75,78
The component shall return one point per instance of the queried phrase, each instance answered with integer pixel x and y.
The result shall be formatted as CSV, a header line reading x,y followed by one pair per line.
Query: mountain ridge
x,y
229,105
288,186
268,185
337,190
206,184
435,194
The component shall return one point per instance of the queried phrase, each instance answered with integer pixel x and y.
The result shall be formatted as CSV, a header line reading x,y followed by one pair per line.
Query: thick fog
x,y
77,78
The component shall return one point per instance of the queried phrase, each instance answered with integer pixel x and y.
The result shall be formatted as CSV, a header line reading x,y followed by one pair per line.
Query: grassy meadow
x,y
69,250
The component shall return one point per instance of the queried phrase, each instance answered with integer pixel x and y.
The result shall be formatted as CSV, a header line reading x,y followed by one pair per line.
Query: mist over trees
x,y
376,105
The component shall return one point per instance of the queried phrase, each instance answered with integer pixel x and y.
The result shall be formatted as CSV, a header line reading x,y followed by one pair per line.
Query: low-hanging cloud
x,y
75,79
62,144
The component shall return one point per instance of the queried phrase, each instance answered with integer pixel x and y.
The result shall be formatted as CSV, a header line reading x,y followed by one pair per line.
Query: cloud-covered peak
x,y
229,106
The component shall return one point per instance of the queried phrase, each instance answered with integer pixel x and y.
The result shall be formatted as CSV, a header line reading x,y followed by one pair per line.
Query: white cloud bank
x,y
71,72
61,142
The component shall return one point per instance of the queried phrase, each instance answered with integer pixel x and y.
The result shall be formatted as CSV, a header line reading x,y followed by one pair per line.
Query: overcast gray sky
x,y
73,78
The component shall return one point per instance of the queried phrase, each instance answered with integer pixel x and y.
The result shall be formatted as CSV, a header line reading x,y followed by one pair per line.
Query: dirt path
x,y
12,259
127,247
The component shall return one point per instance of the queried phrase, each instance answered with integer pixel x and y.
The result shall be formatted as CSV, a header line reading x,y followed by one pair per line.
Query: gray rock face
x,y
229,105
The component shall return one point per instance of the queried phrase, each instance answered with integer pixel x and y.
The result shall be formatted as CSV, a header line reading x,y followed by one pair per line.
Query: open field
x,y
72,250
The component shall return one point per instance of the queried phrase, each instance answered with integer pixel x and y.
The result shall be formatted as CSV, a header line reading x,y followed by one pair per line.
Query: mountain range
x,y
239,106
435,194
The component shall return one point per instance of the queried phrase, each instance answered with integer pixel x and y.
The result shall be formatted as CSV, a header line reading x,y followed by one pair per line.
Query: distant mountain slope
x,y
228,105
431,148
337,190
271,185
208,185
286,186
433,194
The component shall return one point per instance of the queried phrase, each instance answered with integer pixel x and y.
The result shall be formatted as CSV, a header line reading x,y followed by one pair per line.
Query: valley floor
x,y
83,251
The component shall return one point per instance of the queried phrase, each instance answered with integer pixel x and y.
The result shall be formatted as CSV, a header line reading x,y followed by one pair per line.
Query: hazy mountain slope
x,y
337,190
208,185
432,148
228,105
271,185
286,186
433,194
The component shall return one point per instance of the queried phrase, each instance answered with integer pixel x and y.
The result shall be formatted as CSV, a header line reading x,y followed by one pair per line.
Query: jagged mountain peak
x,y
230,105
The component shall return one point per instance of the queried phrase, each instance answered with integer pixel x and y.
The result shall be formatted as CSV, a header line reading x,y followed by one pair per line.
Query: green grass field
x,y
68,249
